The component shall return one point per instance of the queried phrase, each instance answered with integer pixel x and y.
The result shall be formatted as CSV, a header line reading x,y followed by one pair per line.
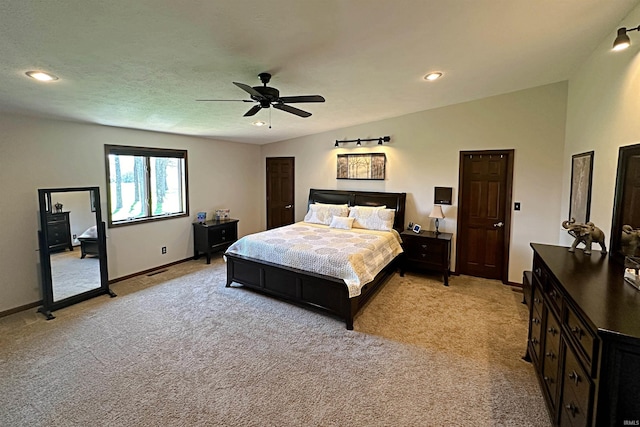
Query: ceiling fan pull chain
x,y
269,118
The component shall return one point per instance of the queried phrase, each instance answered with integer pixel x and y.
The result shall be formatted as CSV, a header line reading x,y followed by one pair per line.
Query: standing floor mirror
x,y
73,250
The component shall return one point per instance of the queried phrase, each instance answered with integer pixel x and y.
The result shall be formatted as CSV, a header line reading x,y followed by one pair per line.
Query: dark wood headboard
x,y
363,198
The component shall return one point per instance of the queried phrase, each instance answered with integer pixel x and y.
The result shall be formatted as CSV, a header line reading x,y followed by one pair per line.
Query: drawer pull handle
x,y
534,341
553,331
538,271
577,331
537,300
424,246
553,293
549,380
573,409
423,255
224,238
550,355
536,320
224,231
575,377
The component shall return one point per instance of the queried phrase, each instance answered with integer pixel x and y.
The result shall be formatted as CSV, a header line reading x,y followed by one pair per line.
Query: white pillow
x,y
372,218
322,214
342,222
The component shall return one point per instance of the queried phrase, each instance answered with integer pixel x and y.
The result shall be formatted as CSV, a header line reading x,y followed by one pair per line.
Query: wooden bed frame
x,y
326,293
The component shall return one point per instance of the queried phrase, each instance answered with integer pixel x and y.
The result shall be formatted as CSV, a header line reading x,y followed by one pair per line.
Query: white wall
x,y
36,153
424,153
603,114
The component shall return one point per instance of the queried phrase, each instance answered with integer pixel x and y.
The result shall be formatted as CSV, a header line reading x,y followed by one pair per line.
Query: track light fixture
x,y
359,141
622,40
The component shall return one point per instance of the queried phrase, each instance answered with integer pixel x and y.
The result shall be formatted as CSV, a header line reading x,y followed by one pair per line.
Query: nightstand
x,y
213,236
426,251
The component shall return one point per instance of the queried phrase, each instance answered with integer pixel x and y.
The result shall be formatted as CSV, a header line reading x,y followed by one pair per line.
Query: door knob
x,y
288,206
499,224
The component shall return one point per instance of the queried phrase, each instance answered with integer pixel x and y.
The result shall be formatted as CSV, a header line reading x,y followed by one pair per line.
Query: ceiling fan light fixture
x,y
259,123
42,76
433,76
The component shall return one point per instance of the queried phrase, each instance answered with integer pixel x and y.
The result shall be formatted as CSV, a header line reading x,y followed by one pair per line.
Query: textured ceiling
x,y
142,64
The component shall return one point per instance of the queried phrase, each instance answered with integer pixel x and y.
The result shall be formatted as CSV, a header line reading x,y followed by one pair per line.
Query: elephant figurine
x,y
630,240
585,233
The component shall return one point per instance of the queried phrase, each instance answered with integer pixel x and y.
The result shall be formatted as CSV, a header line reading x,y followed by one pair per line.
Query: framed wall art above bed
x,y
361,166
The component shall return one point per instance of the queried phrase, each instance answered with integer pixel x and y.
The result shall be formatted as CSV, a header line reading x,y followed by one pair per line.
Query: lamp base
x,y
437,224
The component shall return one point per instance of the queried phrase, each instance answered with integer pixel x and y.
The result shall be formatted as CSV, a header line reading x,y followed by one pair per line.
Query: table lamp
x,y
438,215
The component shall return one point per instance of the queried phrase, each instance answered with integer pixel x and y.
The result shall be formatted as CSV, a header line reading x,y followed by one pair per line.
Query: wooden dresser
x,y
584,338
213,236
59,231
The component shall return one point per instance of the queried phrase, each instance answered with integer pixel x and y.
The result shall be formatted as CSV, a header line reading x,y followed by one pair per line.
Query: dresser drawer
x,y
536,334
536,297
551,356
582,337
576,391
221,235
554,296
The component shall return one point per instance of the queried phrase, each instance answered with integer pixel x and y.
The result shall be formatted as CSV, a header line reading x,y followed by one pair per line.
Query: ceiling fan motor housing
x,y
270,93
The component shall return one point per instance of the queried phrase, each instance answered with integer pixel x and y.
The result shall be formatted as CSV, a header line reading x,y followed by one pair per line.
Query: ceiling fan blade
x,y
253,111
305,98
292,110
230,100
251,91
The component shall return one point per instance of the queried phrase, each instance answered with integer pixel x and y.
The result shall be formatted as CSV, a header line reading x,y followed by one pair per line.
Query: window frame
x,y
147,153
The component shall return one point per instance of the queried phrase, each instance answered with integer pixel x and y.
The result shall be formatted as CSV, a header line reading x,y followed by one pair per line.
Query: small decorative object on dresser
x,y
427,251
222,214
58,207
202,217
585,233
213,236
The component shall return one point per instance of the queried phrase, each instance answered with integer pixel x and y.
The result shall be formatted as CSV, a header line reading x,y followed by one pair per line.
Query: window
x,y
145,184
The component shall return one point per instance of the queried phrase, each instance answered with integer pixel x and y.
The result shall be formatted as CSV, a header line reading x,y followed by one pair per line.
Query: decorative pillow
x,y
322,214
90,233
372,218
342,222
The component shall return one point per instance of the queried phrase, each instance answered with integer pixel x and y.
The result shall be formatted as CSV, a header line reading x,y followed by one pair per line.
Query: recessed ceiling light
x,y
259,123
42,76
433,76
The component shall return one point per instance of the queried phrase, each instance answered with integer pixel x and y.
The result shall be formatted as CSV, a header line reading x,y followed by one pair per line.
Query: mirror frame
x,y
624,154
48,303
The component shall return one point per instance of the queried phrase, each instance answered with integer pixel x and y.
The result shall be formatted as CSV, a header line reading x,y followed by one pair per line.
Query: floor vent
x,y
156,272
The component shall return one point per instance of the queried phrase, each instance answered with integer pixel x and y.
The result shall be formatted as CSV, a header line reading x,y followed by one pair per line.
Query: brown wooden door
x,y
484,215
280,191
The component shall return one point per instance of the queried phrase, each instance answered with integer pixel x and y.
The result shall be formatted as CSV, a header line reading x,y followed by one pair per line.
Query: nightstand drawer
x,y
225,234
424,248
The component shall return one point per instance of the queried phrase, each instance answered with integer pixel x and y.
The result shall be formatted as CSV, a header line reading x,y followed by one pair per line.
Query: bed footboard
x,y
326,293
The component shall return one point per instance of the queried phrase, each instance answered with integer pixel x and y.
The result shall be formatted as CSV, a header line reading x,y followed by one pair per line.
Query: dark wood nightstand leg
x,y
446,279
208,257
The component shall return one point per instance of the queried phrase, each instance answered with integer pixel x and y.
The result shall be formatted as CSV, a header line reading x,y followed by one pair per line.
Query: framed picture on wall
x,y
581,176
361,166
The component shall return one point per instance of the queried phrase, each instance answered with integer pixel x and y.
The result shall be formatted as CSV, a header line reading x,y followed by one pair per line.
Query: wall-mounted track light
x,y
359,141
622,40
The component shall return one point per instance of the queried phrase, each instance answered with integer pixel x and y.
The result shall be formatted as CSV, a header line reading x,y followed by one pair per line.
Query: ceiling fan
x,y
266,97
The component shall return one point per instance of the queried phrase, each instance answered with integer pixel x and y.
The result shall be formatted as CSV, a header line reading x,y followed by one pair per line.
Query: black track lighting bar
x,y
359,141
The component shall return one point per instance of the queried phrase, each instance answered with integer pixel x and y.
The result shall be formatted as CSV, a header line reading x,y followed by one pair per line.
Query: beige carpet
x,y
180,349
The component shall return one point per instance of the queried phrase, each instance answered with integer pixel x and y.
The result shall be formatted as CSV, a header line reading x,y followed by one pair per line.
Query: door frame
x,y
510,153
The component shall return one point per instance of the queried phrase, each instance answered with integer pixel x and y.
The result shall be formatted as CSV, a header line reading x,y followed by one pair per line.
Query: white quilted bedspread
x,y
355,255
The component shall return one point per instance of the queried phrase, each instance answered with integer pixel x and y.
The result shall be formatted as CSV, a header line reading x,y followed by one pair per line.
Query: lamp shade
x,y
622,41
436,212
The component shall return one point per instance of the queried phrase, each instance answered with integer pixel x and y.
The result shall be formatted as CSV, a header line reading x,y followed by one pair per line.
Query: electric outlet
x,y
164,250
